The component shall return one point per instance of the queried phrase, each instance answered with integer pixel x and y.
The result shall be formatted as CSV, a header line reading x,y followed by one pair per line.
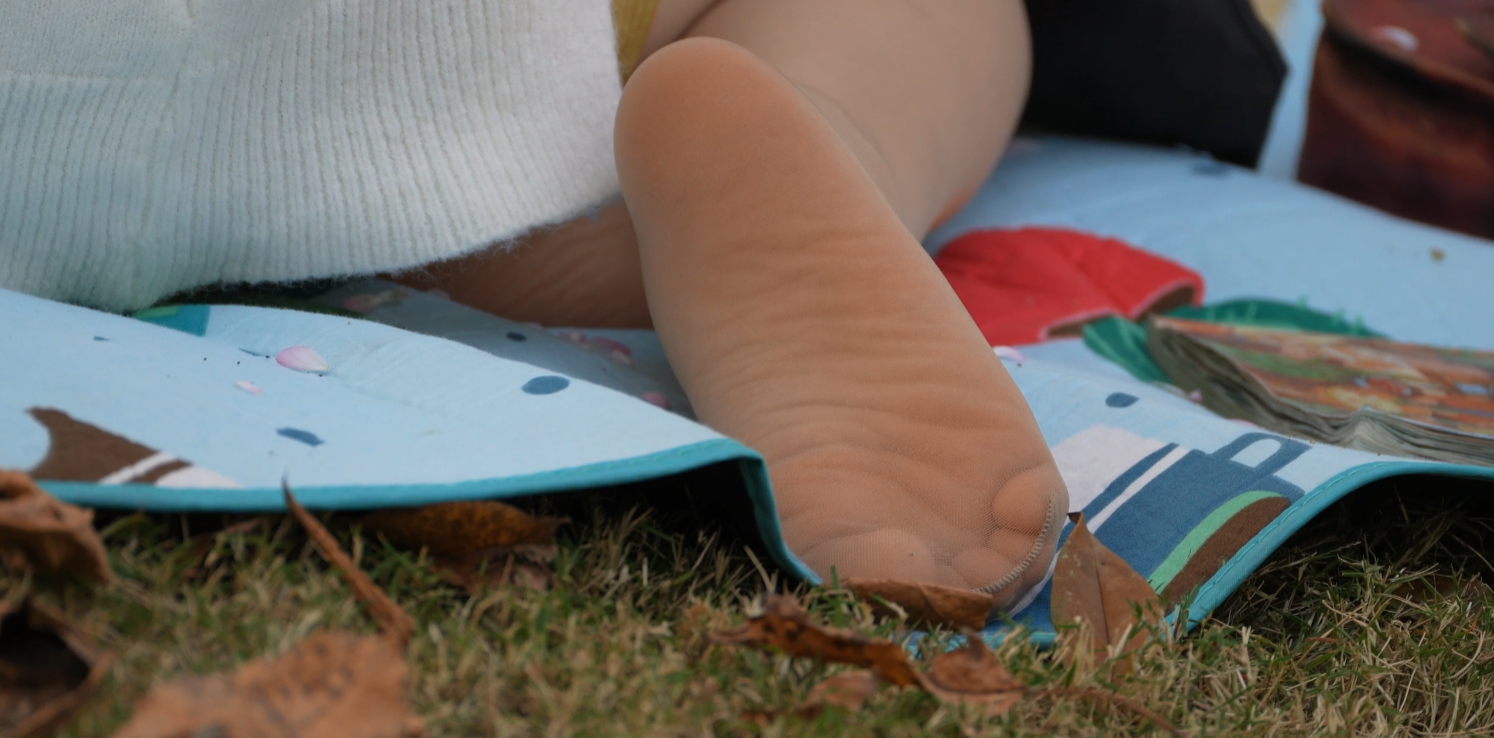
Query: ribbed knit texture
x,y
151,146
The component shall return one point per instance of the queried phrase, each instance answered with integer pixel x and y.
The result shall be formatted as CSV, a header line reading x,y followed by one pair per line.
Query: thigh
x,y
926,92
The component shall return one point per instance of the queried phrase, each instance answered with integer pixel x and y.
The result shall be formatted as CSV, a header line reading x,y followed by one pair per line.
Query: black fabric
x,y
1202,73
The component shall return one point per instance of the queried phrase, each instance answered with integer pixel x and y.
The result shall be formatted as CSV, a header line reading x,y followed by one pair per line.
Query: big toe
x,y
1029,500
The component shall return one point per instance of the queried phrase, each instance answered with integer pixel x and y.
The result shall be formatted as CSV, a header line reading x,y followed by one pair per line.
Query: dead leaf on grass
x,y
475,543
457,529
55,537
925,604
333,684
1097,588
785,627
47,669
973,675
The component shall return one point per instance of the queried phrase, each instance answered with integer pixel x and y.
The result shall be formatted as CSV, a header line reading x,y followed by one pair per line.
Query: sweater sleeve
x,y
148,147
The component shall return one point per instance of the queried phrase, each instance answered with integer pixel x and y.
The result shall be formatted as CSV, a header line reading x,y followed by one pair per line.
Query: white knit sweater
x,y
149,146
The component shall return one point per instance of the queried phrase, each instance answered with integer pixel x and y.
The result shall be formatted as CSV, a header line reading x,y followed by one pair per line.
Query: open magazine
x,y
1377,395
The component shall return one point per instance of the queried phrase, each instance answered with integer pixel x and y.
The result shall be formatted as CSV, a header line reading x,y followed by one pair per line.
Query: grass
x,y
1327,639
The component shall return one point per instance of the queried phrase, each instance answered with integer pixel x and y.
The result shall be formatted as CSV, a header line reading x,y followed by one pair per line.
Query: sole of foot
x,y
806,321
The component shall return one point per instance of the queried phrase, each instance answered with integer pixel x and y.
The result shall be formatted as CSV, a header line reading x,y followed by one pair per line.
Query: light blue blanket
x,y
186,408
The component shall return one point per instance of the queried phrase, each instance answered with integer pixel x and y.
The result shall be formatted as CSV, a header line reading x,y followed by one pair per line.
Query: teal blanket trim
x,y
623,471
1254,553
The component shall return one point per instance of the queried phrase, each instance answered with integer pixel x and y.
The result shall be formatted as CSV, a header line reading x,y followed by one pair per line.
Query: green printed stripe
x,y
1200,534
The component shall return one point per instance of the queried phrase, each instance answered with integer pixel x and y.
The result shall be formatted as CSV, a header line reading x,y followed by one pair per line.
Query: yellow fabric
x,y
631,20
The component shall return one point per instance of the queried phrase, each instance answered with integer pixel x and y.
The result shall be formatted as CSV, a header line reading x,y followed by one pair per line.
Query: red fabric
x,y
1029,284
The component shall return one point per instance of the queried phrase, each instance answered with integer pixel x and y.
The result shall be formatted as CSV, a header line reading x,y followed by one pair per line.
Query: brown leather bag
x,y
1401,109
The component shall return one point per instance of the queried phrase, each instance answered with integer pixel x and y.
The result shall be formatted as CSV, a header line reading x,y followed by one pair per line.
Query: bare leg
x,y
778,182
777,174
581,273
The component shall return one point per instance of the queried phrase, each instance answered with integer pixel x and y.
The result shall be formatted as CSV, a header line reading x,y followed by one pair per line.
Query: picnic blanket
x,y
411,399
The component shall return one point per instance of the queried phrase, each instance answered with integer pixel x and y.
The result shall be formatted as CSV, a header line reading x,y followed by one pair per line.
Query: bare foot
x,y
804,319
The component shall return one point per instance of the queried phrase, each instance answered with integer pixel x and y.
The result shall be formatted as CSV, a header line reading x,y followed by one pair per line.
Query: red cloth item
x,y
1031,284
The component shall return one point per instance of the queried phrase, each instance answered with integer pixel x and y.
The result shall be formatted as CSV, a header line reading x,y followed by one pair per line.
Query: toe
x,y
981,567
1027,502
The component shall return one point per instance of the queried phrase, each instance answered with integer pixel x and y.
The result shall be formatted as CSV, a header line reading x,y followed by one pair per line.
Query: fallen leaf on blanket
x,y
475,543
47,669
1095,587
973,675
333,683
848,690
924,604
784,626
51,535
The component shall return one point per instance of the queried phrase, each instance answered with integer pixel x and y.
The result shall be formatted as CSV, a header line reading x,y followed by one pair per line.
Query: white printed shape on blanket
x,y
1093,458
81,452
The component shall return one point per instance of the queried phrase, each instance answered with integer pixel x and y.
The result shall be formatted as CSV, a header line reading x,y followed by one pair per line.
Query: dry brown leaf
x,y
1095,587
47,669
848,690
925,604
784,626
55,537
475,544
332,684
973,675
458,530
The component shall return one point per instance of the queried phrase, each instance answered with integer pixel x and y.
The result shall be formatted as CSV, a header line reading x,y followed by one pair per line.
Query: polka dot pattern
x,y
546,385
